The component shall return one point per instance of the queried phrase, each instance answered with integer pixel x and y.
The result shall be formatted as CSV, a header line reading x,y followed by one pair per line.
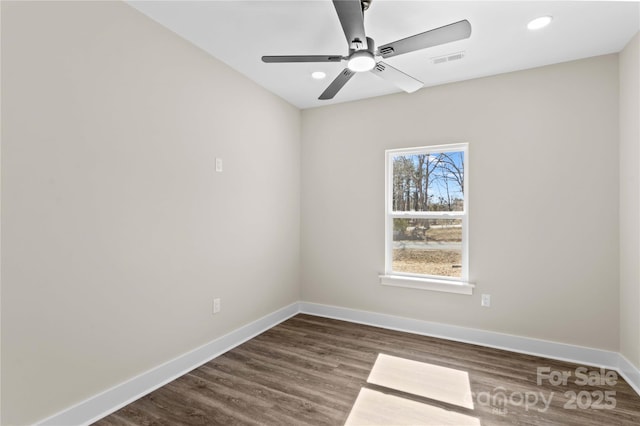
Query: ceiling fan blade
x,y
452,32
337,84
352,20
301,58
397,77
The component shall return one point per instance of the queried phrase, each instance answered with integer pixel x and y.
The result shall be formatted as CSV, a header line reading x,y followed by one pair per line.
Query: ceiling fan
x,y
363,53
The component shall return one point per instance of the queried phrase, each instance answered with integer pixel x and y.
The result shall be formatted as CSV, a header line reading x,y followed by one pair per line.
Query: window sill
x,y
459,287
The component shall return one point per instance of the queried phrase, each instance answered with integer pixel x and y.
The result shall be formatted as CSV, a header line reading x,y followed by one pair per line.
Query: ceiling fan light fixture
x,y
361,61
539,23
364,57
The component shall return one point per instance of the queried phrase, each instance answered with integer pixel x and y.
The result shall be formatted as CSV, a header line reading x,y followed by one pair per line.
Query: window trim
x,y
422,281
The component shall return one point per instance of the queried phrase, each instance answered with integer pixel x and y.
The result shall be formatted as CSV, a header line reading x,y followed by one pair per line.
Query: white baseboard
x,y
560,351
105,403
629,372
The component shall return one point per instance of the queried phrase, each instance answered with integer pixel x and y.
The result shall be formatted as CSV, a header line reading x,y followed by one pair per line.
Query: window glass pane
x,y
428,182
427,246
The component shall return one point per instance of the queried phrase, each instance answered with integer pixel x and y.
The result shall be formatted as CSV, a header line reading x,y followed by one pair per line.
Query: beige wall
x,y
630,201
543,200
0,220
117,232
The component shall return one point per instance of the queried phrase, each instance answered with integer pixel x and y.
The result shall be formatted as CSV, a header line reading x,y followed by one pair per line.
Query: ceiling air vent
x,y
447,58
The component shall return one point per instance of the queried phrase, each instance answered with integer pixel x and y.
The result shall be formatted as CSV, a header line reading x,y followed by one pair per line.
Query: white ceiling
x,y
240,32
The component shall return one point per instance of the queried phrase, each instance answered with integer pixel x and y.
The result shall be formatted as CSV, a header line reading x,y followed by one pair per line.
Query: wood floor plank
x,y
285,407
309,370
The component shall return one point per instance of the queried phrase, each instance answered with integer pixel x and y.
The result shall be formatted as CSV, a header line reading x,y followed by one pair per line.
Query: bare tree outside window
x,y
424,243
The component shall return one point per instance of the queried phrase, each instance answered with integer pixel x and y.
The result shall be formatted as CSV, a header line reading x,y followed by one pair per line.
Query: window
x,y
427,218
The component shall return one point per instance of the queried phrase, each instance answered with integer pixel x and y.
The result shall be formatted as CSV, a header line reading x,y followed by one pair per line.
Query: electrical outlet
x,y
485,300
216,305
218,164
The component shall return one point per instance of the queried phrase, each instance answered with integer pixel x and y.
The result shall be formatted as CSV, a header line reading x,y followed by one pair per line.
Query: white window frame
x,y
420,281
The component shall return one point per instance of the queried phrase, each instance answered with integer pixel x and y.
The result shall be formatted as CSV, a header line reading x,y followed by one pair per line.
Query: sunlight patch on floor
x,y
377,408
422,379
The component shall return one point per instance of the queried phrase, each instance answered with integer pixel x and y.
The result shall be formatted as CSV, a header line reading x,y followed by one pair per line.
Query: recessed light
x,y
540,22
318,75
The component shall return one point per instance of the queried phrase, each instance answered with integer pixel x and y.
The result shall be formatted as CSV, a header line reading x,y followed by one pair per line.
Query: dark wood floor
x,y
309,371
